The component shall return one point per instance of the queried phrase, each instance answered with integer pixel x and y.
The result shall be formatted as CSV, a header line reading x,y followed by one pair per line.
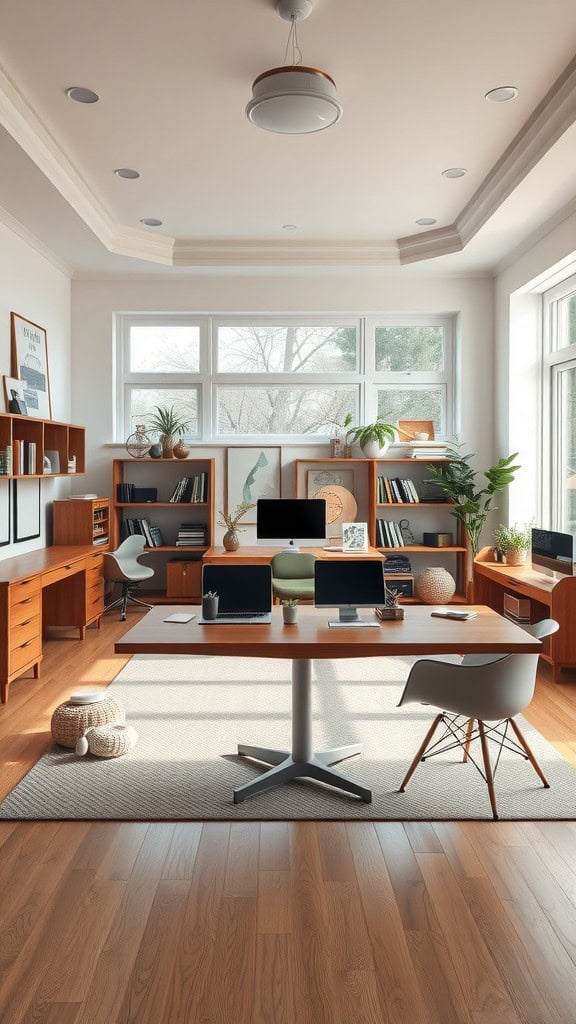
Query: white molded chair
x,y
482,688
122,566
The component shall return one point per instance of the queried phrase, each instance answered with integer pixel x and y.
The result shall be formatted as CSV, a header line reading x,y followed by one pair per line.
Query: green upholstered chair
x,y
293,576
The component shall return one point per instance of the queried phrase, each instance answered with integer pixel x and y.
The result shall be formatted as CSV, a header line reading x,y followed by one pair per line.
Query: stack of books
x,y
152,534
389,534
397,565
428,450
125,492
395,491
192,489
6,460
191,535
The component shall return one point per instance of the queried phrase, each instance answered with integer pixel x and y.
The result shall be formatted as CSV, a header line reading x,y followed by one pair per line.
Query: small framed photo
x,y
354,536
15,397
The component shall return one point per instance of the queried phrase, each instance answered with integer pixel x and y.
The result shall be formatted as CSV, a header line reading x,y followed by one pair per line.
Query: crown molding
x,y
142,245
428,244
206,252
34,242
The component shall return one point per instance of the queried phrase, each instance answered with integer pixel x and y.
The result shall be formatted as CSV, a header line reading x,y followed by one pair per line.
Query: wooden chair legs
x,y
420,752
488,769
469,729
530,755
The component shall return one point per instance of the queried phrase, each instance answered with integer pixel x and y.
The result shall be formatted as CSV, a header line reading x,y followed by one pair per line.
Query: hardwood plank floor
x,y
279,922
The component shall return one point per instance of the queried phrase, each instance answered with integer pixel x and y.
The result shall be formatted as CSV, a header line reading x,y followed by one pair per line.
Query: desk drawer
x,y
62,572
28,652
24,589
94,576
27,608
94,601
22,632
95,561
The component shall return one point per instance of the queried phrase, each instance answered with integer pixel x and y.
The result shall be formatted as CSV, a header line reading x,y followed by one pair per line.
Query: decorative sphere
x,y
155,451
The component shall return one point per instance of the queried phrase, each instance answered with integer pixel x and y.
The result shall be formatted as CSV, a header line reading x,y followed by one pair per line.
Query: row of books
x,y
395,491
397,565
18,458
389,534
193,489
191,535
151,533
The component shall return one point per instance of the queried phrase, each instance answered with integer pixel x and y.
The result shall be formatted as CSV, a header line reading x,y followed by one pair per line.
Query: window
x,y
288,378
559,380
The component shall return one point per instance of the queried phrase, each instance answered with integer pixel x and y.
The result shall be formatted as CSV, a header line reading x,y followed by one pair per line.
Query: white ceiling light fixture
x,y
502,94
81,94
127,172
454,172
294,99
151,222
426,222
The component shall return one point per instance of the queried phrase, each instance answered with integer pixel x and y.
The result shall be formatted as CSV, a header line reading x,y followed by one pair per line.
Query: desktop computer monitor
x,y
283,520
552,553
349,584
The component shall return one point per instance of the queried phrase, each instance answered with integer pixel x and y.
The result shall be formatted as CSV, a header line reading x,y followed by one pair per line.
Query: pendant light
x,y
294,99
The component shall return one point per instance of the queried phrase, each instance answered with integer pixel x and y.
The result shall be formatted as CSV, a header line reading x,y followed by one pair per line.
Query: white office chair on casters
x,y
483,688
122,566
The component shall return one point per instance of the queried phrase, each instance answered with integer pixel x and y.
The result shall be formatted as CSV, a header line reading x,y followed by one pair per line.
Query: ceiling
x,y
173,81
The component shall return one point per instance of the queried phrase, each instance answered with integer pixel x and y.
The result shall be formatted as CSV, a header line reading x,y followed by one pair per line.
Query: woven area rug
x,y
190,712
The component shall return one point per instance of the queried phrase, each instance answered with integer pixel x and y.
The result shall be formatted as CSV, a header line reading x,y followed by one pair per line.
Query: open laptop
x,y
244,592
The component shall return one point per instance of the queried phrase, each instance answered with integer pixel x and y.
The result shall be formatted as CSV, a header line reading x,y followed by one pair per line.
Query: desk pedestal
x,y
301,762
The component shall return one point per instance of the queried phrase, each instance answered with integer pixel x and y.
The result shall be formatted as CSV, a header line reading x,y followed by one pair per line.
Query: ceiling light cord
x,y
293,41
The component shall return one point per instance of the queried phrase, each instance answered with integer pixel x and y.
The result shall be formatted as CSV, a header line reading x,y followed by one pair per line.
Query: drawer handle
x,y
27,644
24,583
67,566
27,623
26,600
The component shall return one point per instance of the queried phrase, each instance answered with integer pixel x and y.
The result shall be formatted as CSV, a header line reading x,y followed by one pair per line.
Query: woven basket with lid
x,y
70,721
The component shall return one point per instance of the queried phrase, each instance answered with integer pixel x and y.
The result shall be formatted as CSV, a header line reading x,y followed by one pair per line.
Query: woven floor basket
x,y
70,721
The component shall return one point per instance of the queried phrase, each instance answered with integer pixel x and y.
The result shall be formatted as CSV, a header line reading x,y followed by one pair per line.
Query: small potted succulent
x,y
289,610
514,542
391,609
373,438
230,520
210,604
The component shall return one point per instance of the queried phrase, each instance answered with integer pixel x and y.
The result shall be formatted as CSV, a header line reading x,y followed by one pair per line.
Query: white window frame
x,y
365,379
556,357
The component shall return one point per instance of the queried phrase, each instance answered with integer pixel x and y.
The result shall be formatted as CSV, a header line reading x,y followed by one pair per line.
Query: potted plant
x,y
461,485
391,609
210,604
289,610
170,426
514,541
373,438
230,520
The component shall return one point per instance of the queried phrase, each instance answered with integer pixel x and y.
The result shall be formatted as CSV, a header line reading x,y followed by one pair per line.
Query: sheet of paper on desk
x,y
180,617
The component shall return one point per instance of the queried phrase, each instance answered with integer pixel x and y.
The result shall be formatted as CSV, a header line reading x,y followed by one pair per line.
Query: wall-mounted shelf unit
x,y
176,578
424,516
35,438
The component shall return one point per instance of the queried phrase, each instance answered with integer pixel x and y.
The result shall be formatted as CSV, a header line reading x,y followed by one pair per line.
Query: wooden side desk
x,y
58,586
311,638
555,600
260,555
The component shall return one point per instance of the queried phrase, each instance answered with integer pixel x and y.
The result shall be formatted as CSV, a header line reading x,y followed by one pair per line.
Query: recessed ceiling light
x,y
289,227
425,222
82,95
151,222
502,94
126,172
454,172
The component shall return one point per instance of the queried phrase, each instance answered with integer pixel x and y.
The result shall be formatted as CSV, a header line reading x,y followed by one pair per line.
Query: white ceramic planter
x,y
372,449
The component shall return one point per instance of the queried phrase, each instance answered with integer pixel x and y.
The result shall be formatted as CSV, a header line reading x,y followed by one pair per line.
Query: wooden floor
x,y
299,923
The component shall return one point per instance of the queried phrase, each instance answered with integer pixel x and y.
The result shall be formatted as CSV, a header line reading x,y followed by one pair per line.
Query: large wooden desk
x,y
58,586
310,638
258,554
548,599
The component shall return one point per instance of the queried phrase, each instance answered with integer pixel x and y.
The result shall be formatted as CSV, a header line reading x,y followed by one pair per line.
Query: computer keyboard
x,y
238,615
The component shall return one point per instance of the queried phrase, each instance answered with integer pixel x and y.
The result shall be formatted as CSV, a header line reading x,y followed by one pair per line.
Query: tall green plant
x,y
462,485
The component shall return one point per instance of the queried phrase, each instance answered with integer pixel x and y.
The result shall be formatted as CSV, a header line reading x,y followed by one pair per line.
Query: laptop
x,y
244,592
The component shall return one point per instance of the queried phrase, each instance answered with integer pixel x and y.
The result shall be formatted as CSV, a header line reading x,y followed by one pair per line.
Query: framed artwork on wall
x,y
26,509
251,473
4,512
30,364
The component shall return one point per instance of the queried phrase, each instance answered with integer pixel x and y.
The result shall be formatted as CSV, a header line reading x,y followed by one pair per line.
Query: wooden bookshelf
x,y
68,440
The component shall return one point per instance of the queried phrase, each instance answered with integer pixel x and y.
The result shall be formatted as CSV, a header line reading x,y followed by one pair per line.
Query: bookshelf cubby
x,y
66,439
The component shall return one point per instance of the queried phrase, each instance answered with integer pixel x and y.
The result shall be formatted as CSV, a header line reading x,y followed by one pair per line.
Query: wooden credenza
x,y
557,600
60,586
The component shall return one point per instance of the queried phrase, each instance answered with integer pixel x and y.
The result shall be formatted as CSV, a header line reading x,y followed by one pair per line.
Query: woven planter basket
x,y
70,721
435,586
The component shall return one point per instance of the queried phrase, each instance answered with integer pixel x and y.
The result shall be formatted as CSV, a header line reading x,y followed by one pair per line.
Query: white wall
x,y
35,288
517,309
95,302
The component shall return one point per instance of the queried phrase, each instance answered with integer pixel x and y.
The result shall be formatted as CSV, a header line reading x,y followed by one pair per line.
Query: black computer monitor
x,y
552,552
349,584
284,520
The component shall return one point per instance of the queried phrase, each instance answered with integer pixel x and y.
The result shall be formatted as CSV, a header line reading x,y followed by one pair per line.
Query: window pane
x,y
399,349
568,448
286,349
283,410
413,404
143,400
173,348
